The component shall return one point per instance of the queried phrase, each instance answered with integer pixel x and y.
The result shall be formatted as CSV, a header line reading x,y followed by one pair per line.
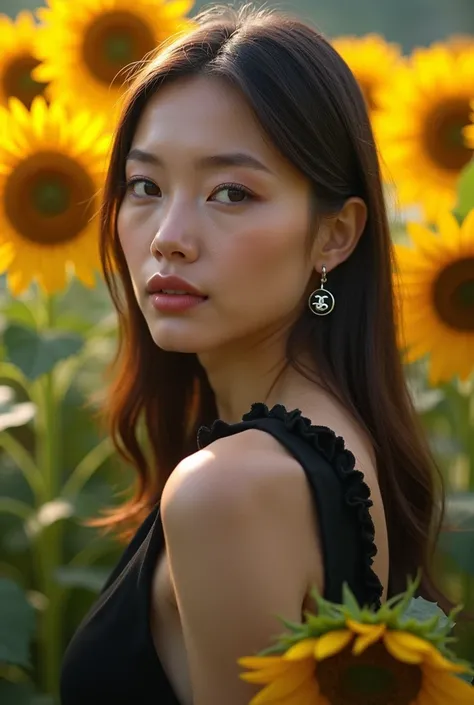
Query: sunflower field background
x,y
62,69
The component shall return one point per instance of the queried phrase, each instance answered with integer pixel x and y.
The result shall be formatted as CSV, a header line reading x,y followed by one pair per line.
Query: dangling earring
x,y
321,302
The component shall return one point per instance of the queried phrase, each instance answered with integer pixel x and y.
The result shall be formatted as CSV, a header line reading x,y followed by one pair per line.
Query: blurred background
x,y
58,330
409,22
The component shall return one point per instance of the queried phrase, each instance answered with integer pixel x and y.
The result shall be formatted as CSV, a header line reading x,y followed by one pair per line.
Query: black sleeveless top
x,y
112,658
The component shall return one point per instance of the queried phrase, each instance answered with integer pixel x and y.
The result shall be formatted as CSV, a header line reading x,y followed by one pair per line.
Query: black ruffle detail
x,y
332,448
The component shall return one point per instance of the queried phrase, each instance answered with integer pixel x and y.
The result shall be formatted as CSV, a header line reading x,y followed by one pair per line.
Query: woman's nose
x,y
174,240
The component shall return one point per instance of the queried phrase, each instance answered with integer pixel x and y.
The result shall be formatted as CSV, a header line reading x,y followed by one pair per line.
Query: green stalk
x,y
468,587
49,546
25,463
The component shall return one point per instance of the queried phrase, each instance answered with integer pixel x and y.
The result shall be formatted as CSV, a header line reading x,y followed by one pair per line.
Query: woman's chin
x,y
174,344
175,340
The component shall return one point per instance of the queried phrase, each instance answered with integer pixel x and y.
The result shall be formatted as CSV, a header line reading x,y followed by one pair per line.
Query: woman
x,y
245,221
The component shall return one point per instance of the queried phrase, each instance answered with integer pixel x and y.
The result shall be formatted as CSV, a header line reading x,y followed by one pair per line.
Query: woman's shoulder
x,y
281,461
235,459
233,473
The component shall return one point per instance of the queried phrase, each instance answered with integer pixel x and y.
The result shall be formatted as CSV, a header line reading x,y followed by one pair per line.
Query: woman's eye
x,y
143,188
231,193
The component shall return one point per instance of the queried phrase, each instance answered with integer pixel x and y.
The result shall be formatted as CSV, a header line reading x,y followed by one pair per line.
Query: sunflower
x,y
435,287
364,664
371,60
419,127
378,658
469,130
85,45
17,59
458,42
51,169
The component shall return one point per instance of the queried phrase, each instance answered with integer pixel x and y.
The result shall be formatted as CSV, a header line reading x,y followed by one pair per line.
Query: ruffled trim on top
x,y
332,448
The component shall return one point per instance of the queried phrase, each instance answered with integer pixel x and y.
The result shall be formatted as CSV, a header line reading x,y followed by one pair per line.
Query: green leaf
x,y
18,311
36,353
457,539
17,623
350,602
465,192
423,611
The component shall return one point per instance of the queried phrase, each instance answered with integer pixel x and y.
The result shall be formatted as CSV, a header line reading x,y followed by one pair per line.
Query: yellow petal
x,y
448,226
6,256
265,675
412,642
304,649
52,279
286,684
18,281
365,640
331,643
307,694
85,273
260,661
362,627
400,651
442,688
178,8
438,661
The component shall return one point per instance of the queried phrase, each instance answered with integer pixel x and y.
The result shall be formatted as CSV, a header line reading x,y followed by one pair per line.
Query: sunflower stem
x,y
49,546
468,581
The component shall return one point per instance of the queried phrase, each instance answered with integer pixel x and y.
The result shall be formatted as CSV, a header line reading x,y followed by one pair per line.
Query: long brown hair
x,y
309,104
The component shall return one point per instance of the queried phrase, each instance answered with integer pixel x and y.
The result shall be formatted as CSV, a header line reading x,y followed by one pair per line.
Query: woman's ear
x,y
339,234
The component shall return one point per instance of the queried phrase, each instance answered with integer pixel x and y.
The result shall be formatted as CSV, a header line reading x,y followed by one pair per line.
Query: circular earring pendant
x,y
321,302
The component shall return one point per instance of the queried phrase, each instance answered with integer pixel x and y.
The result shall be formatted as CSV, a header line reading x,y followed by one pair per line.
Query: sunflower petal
x,y
302,650
365,640
286,684
442,688
260,662
439,662
265,675
331,643
361,627
399,650
413,642
307,694
18,281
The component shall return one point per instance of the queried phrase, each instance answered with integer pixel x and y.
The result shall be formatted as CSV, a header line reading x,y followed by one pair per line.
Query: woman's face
x,y
211,201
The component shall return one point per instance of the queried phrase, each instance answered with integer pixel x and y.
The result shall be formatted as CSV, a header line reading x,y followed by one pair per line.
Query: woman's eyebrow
x,y
209,162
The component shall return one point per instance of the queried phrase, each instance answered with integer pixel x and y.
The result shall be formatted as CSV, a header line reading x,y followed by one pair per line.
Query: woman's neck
x,y
261,375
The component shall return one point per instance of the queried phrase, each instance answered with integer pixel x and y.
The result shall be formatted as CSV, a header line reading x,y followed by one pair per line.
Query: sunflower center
x,y
373,678
18,82
453,295
49,198
444,139
367,679
113,41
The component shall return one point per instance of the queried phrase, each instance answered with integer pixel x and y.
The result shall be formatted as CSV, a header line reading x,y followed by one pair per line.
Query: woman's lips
x,y
175,303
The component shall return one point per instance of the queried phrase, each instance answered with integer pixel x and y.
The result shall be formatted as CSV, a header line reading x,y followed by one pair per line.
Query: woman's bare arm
x,y
240,535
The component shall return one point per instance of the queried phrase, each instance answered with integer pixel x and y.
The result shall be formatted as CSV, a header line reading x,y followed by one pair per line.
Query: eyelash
x,y
137,180
222,187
